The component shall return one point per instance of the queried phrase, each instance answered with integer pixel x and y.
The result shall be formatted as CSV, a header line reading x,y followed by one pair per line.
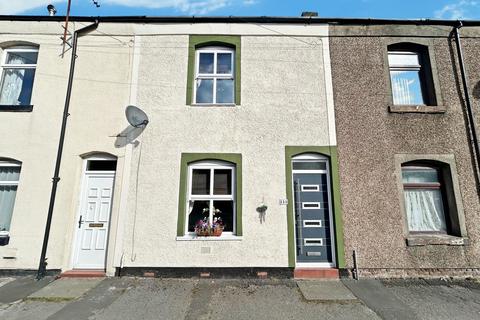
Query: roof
x,y
234,19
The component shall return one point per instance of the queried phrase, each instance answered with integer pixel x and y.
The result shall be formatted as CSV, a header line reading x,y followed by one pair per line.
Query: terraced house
x,y
231,165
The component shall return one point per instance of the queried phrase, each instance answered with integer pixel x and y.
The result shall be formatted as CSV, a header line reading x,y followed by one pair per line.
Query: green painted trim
x,y
197,41
188,158
331,152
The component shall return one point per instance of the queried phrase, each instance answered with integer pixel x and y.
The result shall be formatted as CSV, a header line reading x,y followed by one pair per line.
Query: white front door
x,y
93,221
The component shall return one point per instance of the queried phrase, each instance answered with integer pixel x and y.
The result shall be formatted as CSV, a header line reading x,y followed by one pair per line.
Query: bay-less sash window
x,y
214,78
211,194
423,199
18,73
9,176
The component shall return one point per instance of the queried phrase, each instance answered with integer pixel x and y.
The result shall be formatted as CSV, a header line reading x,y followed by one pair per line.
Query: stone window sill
x,y
416,109
437,239
14,108
221,238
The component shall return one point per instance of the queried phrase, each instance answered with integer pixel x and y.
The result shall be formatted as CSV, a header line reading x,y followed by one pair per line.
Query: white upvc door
x,y
93,221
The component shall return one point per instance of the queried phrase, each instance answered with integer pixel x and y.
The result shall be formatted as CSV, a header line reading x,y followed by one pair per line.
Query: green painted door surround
x,y
188,158
198,41
331,153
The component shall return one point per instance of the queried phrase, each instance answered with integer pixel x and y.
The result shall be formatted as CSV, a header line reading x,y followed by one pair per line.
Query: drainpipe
x,y
468,104
42,267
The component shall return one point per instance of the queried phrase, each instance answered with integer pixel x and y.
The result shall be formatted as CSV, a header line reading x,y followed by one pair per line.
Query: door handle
x,y
80,222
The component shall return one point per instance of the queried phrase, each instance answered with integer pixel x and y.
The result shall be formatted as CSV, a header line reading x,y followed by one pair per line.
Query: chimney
x,y
309,14
51,10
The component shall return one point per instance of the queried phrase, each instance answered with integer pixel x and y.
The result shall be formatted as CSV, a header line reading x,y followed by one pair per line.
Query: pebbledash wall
x,y
284,100
373,142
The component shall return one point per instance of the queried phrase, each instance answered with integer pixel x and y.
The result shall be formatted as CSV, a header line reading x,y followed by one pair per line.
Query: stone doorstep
x,y
326,291
80,273
316,273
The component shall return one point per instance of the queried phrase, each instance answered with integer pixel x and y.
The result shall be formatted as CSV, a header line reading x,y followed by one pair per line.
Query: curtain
x,y
7,195
7,200
13,83
425,210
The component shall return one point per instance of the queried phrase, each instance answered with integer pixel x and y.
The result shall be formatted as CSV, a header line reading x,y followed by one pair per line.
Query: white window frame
x,y
214,76
6,65
211,165
412,67
10,183
9,164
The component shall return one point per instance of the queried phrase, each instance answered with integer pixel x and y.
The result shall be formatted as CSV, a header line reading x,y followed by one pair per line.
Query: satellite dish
x,y
136,117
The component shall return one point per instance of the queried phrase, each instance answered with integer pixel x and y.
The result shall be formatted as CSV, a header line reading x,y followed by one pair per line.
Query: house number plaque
x,y
95,225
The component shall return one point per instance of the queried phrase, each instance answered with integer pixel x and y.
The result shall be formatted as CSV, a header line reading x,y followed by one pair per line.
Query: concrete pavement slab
x,y
378,298
65,289
325,290
21,287
95,300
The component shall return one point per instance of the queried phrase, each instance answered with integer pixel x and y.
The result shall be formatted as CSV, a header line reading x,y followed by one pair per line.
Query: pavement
x,y
148,298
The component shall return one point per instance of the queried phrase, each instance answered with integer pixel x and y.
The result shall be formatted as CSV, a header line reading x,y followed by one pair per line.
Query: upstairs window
x,y
215,76
18,73
410,75
424,198
9,176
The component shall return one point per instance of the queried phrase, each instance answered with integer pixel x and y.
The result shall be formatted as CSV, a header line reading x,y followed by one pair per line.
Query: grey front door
x,y
313,217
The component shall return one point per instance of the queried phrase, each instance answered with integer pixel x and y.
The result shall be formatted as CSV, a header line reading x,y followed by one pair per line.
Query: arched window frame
x,y
183,204
197,42
413,58
452,197
211,196
215,76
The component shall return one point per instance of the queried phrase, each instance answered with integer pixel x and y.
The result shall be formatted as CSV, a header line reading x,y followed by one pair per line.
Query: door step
x,y
78,273
313,273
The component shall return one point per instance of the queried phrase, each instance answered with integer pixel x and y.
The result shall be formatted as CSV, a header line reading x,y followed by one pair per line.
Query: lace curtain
x,y
16,83
425,210
7,195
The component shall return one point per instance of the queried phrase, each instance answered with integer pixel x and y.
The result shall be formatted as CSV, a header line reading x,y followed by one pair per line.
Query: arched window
x,y
211,195
426,207
9,177
215,75
18,72
411,75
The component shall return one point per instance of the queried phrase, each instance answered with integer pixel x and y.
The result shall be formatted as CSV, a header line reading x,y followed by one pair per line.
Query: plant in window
x,y
205,228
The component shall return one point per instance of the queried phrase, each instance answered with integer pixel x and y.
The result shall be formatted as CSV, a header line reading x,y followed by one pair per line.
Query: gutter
x,y
468,104
243,20
42,267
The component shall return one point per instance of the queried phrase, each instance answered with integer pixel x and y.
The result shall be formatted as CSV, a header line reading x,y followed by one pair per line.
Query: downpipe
x,y
42,267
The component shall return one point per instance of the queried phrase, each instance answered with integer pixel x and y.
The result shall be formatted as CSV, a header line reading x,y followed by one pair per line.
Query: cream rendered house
x,y
241,130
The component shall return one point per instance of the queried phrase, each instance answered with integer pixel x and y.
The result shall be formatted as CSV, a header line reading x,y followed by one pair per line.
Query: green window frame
x,y
200,41
190,158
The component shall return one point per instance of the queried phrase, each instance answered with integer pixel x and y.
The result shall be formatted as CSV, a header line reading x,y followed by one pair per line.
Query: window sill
x,y
221,238
430,240
14,108
220,105
416,109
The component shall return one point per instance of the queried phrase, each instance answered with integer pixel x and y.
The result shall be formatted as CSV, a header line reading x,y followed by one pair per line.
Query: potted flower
x,y
204,228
